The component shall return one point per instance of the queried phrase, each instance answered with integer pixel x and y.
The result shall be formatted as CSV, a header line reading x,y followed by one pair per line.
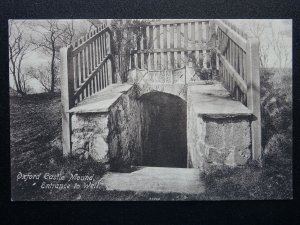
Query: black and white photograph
x,y
150,109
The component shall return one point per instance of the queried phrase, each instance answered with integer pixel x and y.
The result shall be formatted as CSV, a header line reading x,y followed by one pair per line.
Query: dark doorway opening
x,y
164,136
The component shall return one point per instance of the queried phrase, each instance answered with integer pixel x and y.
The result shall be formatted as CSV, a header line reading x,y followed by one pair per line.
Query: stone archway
x,y
163,134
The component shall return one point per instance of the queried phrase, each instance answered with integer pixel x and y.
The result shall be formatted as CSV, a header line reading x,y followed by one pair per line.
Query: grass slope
x,y
35,127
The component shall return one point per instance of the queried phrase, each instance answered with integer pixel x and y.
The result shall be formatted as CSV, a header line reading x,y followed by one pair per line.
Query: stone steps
x,y
155,179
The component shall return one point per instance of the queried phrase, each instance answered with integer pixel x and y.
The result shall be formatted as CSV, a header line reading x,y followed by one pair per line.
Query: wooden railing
x,y
171,45
238,64
87,67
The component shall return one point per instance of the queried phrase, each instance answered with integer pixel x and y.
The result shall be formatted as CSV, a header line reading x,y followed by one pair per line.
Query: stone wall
x,y
124,136
111,137
217,141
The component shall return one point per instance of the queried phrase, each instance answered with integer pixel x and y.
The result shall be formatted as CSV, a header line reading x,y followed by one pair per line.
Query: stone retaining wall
x,y
110,137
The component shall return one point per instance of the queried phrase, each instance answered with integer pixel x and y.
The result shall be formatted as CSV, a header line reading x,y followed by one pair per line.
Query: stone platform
x,y
103,100
218,127
156,179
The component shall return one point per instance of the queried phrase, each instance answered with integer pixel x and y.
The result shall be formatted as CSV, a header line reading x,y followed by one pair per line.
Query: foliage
x,y
276,109
124,43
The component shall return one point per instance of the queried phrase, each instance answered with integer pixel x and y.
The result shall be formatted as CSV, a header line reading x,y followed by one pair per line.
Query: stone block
x,y
98,148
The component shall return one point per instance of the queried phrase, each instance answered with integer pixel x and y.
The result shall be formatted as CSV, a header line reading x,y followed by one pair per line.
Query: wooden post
x,y
67,91
253,95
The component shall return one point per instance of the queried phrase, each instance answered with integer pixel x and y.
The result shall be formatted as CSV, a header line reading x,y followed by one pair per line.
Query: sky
x,y
271,27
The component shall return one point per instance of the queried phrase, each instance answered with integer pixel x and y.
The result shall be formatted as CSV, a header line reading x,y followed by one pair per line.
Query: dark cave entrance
x,y
164,135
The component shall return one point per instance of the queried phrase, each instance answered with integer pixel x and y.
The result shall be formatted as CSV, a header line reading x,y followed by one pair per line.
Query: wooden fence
x,y
171,45
87,67
238,65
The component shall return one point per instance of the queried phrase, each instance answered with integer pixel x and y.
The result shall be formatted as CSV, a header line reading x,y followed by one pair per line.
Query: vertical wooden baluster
x,y
241,63
245,66
207,30
103,76
107,75
179,44
90,88
151,47
138,48
168,45
141,48
161,46
171,32
186,42
135,48
81,64
234,56
200,33
197,44
105,44
100,79
189,34
158,46
204,59
93,85
155,42
92,54
145,45
100,56
100,48
76,68
203,32
193,44
165,46
95,52
103,47
85,58
230,51
175,43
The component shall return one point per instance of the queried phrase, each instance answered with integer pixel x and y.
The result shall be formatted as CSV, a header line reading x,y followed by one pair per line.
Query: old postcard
x,y
150,109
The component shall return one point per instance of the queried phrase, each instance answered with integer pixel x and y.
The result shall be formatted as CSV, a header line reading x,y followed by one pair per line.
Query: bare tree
x,y
257,29
43,74
18,48
52,35
281,50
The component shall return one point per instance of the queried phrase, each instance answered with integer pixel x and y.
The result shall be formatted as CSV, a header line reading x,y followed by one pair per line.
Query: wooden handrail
x,y
239,67
91,39
240,82
87,66
79,91
238,39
